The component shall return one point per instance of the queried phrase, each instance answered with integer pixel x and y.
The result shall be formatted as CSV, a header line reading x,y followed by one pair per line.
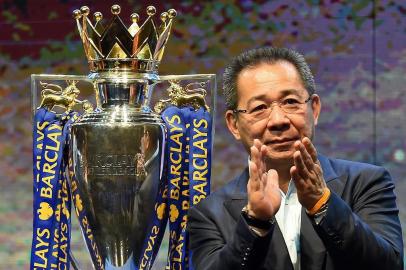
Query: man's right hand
x,y
264,198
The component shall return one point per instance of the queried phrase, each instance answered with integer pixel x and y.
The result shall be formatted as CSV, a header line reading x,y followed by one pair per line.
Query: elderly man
x,y
292,208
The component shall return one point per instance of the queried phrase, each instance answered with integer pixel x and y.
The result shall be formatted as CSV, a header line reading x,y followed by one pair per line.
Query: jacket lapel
x,y
238,199
330,176
313,251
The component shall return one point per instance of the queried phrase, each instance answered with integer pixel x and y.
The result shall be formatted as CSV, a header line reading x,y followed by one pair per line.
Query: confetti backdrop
x,y
356,50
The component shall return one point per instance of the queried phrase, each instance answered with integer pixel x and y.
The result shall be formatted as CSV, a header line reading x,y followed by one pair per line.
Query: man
x,y
291,208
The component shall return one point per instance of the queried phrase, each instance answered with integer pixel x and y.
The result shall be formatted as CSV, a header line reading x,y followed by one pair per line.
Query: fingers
x,y
255,156
307,173
300,183
258,154
306,158
264,196
272,178
258,174
310,149
301,168
318,170
259,157
253,183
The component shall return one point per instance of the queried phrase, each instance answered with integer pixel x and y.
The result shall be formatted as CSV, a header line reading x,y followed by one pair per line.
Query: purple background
x,y
356,50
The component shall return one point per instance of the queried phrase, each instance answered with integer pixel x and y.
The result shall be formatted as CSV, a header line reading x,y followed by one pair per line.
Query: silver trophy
x,y
117,150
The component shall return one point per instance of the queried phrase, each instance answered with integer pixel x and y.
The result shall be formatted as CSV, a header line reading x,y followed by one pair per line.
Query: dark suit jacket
x,y
361,229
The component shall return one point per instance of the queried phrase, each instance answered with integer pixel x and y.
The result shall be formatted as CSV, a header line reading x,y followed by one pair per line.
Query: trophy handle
x,y
193,94
54,95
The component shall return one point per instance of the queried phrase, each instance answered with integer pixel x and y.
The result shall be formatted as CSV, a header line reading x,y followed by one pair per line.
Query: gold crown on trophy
x,y
114,47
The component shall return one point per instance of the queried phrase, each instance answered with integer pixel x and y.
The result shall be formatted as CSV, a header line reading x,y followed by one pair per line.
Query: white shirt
x,y
288,218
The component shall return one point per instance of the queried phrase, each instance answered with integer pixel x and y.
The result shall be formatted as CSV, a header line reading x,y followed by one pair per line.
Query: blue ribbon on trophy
x,y
64,196
200,153
82,217
156,228
51,223
187,170
176,121
185,183
200,159
188,161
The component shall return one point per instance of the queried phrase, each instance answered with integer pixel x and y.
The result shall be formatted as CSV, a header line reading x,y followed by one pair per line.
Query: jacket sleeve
x,y
208,249
364,233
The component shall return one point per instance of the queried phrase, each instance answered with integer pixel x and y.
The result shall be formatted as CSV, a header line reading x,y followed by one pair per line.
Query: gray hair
x,y
257,56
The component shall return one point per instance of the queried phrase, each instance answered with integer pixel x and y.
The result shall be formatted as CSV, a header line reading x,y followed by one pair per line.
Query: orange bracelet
x,y
324,198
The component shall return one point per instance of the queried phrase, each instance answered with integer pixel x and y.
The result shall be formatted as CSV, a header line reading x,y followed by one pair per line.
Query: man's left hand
x,y
307,173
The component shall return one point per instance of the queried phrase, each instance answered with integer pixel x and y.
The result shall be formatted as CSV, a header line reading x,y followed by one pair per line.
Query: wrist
x,y
253,221
320,204
319,216
254,214
259,232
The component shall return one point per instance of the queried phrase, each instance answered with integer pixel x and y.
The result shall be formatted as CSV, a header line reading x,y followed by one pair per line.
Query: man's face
x,y
259,86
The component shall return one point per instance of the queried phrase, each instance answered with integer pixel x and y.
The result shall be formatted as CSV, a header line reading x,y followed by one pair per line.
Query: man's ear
x,y
231,120
316,106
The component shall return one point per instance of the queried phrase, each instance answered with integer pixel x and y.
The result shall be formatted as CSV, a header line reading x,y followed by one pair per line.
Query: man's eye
x,y
259,108
290,101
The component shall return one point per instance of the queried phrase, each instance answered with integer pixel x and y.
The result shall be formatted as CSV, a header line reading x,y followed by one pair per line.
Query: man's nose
x,y
277,118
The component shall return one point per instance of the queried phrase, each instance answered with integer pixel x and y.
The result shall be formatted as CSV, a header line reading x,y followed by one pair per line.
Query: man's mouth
x,y
281,141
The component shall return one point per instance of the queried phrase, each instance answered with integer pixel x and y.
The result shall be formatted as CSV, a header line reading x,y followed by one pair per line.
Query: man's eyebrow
x,y
286,92
254,98
283,93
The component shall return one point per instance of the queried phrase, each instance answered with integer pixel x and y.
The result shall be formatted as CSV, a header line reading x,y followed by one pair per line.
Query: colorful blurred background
x,y
356,50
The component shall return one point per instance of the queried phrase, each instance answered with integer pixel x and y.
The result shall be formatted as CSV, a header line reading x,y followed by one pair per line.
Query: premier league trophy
x,y
129,168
